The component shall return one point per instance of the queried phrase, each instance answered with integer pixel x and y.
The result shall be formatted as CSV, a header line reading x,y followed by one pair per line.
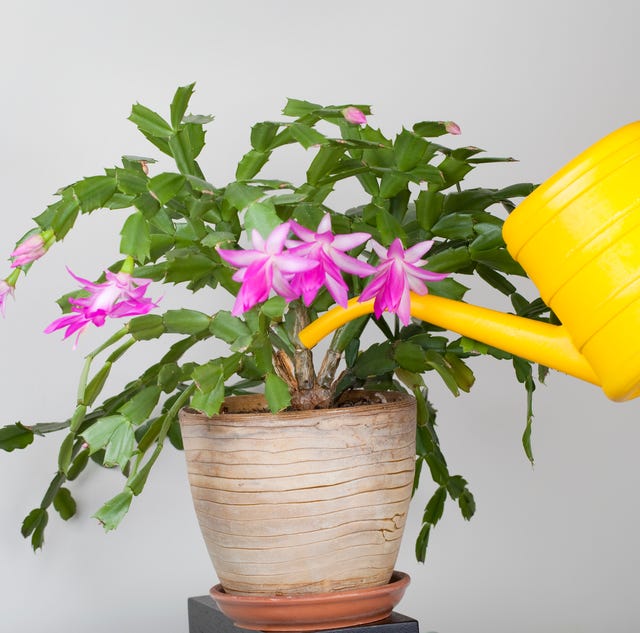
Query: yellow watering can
x,y
578,238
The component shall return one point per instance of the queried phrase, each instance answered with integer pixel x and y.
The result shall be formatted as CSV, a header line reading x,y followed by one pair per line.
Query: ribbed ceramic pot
x,y
302,501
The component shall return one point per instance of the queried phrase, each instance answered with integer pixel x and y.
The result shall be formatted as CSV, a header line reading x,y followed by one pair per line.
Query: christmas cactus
x,y
285,256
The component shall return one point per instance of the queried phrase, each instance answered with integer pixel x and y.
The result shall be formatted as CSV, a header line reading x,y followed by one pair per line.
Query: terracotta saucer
x,y
312,612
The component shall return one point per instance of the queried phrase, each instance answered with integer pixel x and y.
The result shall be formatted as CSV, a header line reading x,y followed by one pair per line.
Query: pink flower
x,y
355,116
263,268
328,250
398,273
31,249
452,128
6,290
120,296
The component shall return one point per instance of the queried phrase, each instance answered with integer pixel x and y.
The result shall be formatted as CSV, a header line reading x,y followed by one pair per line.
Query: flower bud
x,y
30,250
452,128
355,116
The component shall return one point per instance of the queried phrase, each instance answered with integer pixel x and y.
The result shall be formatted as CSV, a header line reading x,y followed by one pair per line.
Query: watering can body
x,y
578,238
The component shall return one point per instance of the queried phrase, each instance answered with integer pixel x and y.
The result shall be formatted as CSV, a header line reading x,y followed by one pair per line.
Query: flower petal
x,y
240,259
403,309
417,286
257,240
374,286
347,241
396,249
282,287
423,273
416,251
350,264
277,237
325,224
293,264
379,250
338,289
305,234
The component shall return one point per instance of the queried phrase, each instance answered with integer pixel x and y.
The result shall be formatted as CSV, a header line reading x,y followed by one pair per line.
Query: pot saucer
x,y
312,612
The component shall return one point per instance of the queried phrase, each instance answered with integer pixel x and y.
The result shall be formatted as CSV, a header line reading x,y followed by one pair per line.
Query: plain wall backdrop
x,y
552,548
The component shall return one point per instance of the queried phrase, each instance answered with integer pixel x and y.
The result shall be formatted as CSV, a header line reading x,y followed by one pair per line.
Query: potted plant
x,y
286,256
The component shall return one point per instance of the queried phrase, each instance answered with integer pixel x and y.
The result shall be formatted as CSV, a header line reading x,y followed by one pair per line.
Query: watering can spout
x,y
578,238
536,341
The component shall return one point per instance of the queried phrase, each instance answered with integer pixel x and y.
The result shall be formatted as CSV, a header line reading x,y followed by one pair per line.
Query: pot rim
x,y
397,399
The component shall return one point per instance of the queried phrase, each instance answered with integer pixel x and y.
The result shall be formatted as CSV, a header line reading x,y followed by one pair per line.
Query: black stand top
x,y
204,617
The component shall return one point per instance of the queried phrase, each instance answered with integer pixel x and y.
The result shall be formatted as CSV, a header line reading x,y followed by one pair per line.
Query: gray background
x,y
552,548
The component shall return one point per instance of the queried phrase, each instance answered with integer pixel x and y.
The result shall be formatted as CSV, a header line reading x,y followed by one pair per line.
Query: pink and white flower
x,y
399,273
328,250
121,295
6,290
265,267
354,115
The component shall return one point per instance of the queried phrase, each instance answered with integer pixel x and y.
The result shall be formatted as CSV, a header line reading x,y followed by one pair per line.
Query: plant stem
x,y
302,358
330,363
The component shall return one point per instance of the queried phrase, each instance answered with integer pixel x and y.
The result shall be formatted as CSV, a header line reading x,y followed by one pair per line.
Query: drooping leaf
x,y
100,432
78,464
15,436
435,507
422,543
137,482
120,447
65,504
33,525
467,504
96,384
65,453
139,408
113,511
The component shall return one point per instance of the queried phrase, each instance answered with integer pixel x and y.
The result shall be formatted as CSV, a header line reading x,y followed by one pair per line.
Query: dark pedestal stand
x,y
204,617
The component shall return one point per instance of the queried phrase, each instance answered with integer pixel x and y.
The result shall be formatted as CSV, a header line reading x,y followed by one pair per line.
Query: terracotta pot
x,y
302,501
